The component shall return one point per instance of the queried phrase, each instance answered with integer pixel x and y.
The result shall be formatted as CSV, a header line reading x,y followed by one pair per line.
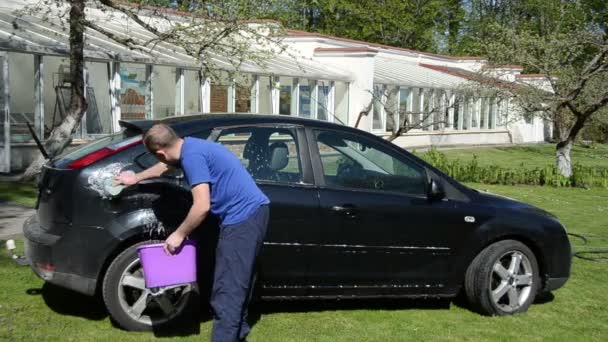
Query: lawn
x,y
531,156
30,310
21,193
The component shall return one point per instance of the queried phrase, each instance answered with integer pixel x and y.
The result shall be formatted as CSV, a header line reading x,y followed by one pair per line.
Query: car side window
x,y
350,161
268,153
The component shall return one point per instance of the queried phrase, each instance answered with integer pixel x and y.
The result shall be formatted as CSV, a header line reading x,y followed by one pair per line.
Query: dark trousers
x,y
237,249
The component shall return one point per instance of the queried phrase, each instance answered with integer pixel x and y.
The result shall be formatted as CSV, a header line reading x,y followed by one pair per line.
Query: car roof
x,y
186,122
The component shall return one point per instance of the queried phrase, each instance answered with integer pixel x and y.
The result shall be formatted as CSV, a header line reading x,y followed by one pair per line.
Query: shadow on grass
x,y
70,303
67,302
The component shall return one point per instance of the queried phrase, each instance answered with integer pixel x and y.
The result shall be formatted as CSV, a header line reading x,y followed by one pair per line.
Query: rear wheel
x,y
135,307
503,279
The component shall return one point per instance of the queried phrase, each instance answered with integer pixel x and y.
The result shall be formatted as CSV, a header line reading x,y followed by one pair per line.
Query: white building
x,y
332,79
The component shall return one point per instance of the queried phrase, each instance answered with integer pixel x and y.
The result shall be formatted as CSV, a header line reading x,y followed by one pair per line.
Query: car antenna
x,y
40,147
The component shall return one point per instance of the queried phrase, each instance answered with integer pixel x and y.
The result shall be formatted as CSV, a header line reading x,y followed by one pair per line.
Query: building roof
x,y
531,76
48,36
353,49
394,71
472,76
300,34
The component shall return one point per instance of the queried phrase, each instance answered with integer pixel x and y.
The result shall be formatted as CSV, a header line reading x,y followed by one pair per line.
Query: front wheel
x,y
135,307
503,279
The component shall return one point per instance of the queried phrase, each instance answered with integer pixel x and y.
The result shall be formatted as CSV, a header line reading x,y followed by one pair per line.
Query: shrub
x,y
471,171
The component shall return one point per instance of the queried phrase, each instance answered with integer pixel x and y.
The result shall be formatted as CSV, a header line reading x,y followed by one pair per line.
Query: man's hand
x,y
173,242
126,178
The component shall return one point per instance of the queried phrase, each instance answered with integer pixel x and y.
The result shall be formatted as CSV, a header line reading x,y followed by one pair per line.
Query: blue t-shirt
x,y
234,194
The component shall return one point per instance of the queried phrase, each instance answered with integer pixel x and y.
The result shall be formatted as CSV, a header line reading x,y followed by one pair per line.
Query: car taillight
x,y
103,153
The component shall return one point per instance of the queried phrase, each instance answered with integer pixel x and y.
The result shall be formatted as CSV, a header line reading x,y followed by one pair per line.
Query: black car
x,y
352,216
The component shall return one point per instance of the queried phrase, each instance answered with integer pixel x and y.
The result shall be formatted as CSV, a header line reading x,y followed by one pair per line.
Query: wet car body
x,y
325,240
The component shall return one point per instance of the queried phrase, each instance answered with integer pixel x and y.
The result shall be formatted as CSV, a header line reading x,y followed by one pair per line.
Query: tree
x,y
409,24
574,66
211,27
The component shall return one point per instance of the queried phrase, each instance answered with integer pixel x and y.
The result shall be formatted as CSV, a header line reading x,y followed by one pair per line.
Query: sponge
x,y
111,188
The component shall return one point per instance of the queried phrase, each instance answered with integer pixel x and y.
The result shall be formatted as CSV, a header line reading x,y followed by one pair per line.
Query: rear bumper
x,y
40,247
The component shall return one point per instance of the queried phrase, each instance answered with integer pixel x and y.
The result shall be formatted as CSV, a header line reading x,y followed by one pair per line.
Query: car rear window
x,y
82,150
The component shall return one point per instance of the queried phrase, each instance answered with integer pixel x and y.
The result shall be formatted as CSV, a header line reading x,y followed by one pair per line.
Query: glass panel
x,y
243,94
446,107
341,103
404,97
133,91
426,109
285,96
219,98
415,116
3,121
501,111
99,114
378,110
304,108
354,162
21,87
466,113
243,99
265,101
285,100
56,90
323,100
457,117
268,153
475,113
492,110
484,112
392,109
163,85
191,92
439,116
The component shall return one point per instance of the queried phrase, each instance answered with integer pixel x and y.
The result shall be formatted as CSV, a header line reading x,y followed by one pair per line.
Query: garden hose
x,y
596,254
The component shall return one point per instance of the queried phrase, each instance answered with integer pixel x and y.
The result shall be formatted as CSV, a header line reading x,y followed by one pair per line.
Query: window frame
x,y
319,173
299,139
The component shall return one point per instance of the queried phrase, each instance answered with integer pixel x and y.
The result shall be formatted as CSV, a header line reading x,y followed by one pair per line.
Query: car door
x,y
277,158
378,232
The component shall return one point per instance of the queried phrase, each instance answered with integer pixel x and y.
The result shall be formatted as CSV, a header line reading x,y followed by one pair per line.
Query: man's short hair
x,y
160,136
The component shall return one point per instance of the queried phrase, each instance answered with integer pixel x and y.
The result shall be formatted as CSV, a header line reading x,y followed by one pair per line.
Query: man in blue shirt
x,y
220,185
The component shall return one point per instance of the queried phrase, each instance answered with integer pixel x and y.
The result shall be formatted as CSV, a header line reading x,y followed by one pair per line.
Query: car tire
x,y
503,279
134,307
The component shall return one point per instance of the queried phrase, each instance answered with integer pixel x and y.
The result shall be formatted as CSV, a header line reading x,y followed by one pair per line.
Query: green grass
x,y
530,155
31,311
21,193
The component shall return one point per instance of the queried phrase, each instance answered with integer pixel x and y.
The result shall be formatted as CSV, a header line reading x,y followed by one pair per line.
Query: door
x,y
274,157
379,234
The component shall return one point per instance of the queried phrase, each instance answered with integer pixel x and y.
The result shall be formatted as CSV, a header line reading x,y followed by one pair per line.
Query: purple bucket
x,y
166,270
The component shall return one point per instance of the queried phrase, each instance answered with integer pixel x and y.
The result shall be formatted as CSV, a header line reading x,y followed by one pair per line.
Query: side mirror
x,y
436,191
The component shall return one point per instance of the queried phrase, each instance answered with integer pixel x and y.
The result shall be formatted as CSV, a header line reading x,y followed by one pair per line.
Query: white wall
x,y
453,138
361,67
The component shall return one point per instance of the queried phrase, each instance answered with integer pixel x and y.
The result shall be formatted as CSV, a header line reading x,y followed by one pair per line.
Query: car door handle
x,y
346,209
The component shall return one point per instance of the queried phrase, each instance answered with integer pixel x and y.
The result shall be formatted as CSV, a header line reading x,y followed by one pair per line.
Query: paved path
x,y
12,217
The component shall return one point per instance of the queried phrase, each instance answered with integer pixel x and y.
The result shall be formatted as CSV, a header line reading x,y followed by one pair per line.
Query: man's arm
x,y
129,178
200,209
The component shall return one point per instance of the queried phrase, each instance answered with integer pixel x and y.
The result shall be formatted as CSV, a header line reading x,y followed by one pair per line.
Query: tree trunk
x,y
564,146
61,136
562,155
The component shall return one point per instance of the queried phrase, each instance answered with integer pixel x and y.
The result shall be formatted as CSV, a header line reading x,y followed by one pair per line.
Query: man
x,y
222,186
